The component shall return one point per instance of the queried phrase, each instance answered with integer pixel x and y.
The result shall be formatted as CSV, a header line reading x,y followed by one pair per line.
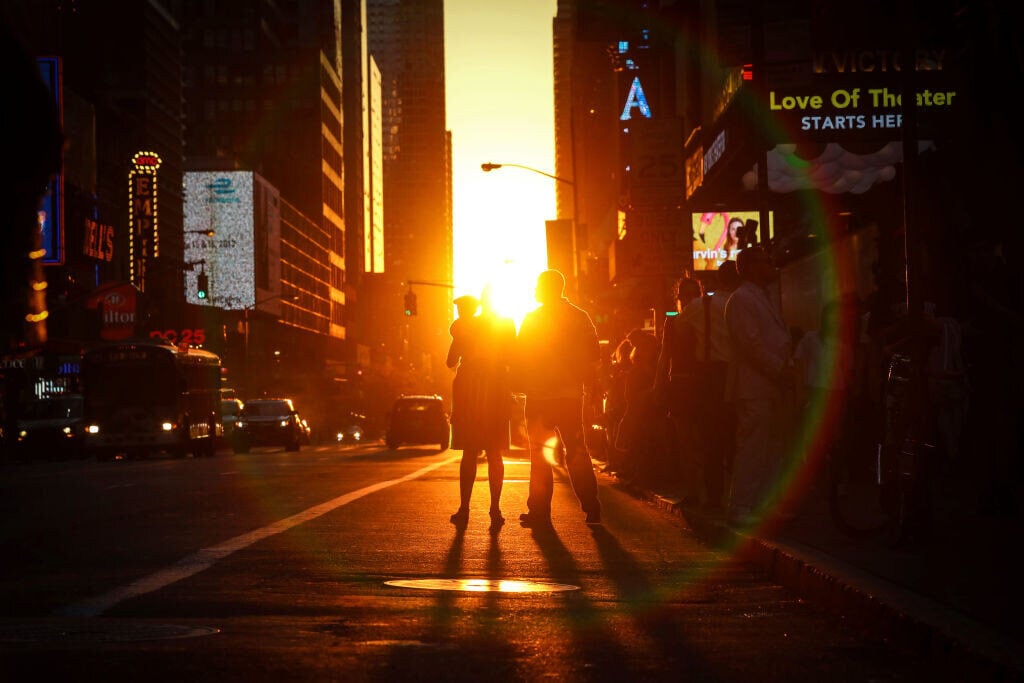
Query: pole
x,y
245,336
245,352
575,198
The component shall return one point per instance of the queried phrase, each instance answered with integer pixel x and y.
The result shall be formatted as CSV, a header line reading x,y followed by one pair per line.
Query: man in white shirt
x,y
762,357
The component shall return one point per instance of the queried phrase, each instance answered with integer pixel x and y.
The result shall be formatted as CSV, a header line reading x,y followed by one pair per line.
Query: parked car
x,y
418,419
52,428
270,422
230,410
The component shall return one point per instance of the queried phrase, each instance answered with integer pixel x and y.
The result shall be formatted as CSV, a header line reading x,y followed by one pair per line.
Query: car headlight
x,y
67,430
167,426
284,423
239,424
92,429
22,434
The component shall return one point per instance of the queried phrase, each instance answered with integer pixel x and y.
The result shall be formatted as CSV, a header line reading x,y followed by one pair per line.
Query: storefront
x,y
833,184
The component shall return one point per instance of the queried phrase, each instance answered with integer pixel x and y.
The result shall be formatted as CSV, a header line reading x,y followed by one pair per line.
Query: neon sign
x,y
637,99
143,231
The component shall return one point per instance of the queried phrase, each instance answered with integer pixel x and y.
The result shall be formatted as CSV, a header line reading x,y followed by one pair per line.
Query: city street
x,y
283,566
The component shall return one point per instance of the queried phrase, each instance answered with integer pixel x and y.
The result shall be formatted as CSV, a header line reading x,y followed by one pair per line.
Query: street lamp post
x,y
491,166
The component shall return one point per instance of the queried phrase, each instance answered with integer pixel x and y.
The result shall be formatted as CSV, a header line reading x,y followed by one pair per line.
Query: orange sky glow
x,y
500,108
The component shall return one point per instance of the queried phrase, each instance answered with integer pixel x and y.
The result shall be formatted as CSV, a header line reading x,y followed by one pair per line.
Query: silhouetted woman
x,y
481,399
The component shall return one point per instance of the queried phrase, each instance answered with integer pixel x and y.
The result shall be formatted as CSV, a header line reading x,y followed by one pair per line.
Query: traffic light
x,y
202,285
410,303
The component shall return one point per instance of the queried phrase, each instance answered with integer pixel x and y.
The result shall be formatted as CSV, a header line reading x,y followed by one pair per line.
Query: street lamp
x,y
489,166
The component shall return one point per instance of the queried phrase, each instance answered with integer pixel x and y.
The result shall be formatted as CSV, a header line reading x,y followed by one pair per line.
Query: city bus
x,y
149,396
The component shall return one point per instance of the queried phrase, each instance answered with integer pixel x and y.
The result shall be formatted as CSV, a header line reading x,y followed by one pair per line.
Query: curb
x,y
963,646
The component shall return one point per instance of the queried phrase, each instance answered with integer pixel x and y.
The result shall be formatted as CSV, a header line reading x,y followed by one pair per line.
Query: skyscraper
x,y
407,40
364,229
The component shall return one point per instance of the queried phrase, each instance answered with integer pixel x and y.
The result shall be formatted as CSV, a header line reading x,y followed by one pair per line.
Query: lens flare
x,y
553,451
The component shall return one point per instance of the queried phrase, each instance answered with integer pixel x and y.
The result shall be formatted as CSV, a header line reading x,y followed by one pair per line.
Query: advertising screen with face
x,y
716,236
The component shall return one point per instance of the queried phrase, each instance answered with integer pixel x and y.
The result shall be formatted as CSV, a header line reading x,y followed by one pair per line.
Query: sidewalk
x,y
958,593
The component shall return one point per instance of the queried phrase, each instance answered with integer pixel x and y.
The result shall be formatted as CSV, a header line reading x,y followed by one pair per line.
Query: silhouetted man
x,y
762,357
556,354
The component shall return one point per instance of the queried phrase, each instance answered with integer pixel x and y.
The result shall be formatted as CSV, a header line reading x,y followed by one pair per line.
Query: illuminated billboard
x,y
51,220
716,239
220,238
143,215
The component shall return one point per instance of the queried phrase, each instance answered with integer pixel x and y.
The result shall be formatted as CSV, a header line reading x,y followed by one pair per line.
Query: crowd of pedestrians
x,y
751,402
718,406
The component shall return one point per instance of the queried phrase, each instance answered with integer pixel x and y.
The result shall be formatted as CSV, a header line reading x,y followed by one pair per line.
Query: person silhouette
x,y
480,351
557,355
764,375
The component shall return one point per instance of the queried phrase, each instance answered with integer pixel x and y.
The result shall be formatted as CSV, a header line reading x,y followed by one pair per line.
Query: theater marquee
x,y
854,109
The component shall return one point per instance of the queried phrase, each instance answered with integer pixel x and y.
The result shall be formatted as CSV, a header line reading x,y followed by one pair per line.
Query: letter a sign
x,y
636,98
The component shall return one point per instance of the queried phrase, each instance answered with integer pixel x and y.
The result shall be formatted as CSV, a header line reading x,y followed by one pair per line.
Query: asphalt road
x,y
283,566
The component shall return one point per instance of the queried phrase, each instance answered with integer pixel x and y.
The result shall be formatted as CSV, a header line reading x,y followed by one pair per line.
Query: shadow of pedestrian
x,y
592,629
649,605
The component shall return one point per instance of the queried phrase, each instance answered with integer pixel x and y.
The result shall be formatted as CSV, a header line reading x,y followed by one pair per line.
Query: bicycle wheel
x,y
859,501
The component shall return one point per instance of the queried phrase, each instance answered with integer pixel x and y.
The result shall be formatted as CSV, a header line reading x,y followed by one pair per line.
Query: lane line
x,y
207,557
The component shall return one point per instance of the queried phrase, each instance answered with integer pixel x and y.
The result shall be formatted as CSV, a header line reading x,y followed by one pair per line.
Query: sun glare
x,y
500,243
499,237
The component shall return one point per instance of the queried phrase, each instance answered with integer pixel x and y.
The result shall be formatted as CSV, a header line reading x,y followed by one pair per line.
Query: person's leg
x,y
541,477
467,476
495,479
714,448
577,458
753,436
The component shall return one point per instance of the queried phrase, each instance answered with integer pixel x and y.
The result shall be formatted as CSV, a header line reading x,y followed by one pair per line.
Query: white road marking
x,y
207,557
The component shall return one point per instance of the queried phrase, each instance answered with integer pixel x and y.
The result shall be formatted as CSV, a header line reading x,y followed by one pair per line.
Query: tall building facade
x,y
115,74
264,94
407,40
618,136
364,229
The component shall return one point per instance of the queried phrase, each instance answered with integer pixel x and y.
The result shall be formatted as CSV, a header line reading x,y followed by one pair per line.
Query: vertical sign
x,y
51,219
143,230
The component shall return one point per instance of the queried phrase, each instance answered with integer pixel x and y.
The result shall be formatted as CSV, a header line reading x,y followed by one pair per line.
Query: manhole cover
x,y
95,631
483,585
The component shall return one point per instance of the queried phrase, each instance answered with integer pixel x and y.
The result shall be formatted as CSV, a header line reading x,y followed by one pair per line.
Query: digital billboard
x,y
716,238
219,238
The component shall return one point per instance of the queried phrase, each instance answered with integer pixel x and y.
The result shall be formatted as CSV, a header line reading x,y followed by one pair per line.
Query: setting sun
x,y
500,241
499,237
